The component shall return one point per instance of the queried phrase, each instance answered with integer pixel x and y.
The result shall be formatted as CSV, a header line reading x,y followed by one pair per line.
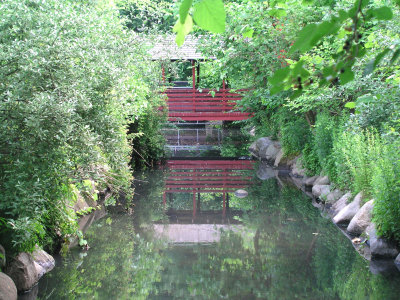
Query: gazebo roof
x,y
166,48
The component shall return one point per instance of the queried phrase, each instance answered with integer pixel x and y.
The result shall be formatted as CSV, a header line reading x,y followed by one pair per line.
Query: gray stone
x,y
340,204
382,267
39,270
81,203
253,149
380,247
45,260
323,180
8,290
321,191
23,272
297,168
310,180
334,196
265,171
349,211
2,257
241,193
397,262
271,152
262,144
278,158
362,219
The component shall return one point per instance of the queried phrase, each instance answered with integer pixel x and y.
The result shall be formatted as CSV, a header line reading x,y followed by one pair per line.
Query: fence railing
x,y
191,104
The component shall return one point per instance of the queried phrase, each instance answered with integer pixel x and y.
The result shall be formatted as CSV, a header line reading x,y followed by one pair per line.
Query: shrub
x,y
386,190
356,154
70,80
294,132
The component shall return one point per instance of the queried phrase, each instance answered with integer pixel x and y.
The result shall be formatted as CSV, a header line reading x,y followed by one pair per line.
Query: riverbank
x,y
351,213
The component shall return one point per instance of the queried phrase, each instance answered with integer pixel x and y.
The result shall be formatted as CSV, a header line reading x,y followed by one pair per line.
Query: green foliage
x,y
386,188
208,15
356,153
294,132
310,159
325,129
71,79
147,16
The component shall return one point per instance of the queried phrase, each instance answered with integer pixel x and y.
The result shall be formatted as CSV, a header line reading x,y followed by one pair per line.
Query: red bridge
x,y
207,176
189,104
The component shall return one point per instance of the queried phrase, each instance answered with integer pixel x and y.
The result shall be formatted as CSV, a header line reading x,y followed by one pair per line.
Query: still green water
x,y
272,244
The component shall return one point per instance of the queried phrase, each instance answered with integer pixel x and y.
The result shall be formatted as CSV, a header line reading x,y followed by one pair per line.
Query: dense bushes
x,y
326,102
70,80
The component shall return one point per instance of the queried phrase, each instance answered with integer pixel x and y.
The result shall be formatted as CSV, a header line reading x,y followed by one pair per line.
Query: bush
x,y
386,189
356,153
70,80
294,132
310,160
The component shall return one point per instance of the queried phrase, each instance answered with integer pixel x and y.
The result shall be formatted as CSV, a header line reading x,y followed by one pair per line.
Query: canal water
x,y
207,227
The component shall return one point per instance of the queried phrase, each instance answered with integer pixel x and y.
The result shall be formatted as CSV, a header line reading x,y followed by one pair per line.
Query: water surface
x,y
190,237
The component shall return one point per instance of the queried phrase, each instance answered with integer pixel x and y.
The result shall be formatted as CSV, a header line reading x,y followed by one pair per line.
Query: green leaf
x,y
248,33
365,98
346,76
277,12
184,10
395,55
279,76
210,15
382,13
182,30
303,41
371,65
350,105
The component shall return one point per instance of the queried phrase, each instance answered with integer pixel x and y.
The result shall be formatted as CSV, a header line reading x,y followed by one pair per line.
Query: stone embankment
x,y
351,213
22,272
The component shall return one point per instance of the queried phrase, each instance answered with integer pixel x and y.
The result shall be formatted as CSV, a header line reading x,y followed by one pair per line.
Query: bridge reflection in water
x,y
192,179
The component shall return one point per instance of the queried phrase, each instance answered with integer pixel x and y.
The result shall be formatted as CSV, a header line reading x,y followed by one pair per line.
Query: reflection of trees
x,y
287,251
119,265
149,188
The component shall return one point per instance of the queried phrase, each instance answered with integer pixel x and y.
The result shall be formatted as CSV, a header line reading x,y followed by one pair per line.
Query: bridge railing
x,y
205,176
192,104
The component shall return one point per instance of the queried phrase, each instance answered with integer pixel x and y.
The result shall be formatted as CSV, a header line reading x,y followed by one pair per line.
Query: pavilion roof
x,y
165,47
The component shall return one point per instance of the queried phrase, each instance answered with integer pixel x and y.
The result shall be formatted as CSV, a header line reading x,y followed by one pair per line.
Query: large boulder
x,y
380,247
23,272
297,168
310,180
340,204
323,180
278,158
8,290
349,211
265,171
270,153
334,196
397,262
253,149
362,219
39,270
80,203
321,191
45,260
262,144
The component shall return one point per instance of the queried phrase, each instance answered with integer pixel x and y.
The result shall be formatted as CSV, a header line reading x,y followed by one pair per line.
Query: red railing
x,y
205,176
190,104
